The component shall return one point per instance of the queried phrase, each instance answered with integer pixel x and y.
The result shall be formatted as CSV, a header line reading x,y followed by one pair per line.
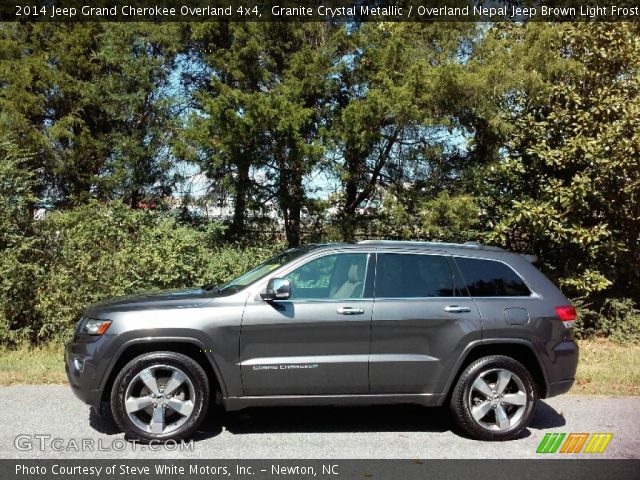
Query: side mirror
x,y
277,289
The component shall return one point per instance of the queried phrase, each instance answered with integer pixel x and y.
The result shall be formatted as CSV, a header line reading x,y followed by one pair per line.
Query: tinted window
x,y
408,275
488,278
337,276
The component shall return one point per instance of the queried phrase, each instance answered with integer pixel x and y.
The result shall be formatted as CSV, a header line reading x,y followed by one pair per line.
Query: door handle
x,y
350,311
456,309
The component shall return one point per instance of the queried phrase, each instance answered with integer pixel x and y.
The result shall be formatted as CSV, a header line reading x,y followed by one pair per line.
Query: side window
x,y
400,275
489,278
337,276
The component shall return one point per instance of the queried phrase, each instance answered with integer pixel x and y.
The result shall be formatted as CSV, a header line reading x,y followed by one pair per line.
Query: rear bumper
x,y
558,388
561,365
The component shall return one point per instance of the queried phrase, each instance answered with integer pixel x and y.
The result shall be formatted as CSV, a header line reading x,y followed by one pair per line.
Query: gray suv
x,y
375,322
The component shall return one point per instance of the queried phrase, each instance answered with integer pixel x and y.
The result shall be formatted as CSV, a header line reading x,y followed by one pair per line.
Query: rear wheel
x,y
160,396
494,398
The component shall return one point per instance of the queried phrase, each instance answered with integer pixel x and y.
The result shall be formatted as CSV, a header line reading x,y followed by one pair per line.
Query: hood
x,y
157,300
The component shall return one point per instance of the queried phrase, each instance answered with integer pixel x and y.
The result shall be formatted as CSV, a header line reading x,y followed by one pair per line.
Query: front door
x,y
317,342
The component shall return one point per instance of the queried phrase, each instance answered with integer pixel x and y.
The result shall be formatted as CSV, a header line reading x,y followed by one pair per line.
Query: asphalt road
x,y
64,423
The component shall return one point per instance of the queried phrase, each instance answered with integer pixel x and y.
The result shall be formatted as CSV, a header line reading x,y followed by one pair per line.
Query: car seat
x,y
352,287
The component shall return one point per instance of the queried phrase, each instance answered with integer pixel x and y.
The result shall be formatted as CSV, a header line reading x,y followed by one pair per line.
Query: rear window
x,y
489,278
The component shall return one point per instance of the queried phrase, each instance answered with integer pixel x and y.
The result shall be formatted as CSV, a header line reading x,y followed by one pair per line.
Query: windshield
x,y
262,270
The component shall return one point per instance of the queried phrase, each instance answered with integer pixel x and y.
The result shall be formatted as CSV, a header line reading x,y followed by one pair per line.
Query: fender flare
x,y
455,371
170,339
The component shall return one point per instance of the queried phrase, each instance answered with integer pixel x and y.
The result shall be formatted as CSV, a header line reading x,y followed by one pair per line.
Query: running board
x,y
426,399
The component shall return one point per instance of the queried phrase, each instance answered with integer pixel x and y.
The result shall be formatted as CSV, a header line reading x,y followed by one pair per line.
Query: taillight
x,y
567,313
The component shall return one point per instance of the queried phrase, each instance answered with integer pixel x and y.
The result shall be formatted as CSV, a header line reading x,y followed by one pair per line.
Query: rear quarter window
x,y
490,278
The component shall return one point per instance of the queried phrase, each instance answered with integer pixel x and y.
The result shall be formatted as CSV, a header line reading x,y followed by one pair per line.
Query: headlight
x,y
95,327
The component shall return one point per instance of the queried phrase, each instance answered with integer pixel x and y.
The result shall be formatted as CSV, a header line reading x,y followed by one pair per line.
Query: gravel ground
x,y
367,432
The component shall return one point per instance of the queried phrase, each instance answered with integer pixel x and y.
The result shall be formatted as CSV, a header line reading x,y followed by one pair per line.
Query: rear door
x,y
316,342
422,320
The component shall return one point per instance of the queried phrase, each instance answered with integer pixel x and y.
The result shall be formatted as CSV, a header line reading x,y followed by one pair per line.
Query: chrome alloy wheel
x,y
160,399
497,399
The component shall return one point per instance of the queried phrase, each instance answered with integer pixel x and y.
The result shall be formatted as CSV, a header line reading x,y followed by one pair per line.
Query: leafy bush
x,y
19,274
77,257
442,218
617,318
450,218
16,193
98,251
17,271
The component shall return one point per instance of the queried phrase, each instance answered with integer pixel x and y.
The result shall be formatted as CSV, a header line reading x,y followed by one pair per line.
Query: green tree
x,y
387,109
299,115
134,88
26,83
569,187
226,86
89,100
260,100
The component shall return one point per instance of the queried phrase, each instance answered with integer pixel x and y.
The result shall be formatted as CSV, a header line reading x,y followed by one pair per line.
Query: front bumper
x,y
84,381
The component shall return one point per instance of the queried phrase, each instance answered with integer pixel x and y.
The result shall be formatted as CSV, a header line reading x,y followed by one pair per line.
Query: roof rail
x,y
419,243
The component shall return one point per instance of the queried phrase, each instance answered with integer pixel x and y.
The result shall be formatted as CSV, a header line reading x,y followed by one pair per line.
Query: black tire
x,y
464,396
198,388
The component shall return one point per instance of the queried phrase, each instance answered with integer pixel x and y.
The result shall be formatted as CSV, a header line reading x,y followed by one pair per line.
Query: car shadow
x,y
546,417
104,423
391,418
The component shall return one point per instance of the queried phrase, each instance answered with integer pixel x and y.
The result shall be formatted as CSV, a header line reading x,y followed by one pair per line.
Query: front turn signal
x,y
95,327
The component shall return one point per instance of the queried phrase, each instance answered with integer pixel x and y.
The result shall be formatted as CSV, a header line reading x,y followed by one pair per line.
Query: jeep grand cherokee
x,y
375,322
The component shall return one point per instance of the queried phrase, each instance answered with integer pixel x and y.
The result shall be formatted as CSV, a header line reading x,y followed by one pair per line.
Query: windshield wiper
x,y
209,287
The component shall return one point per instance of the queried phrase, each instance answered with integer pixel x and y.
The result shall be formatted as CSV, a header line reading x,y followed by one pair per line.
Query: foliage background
x,y
520,135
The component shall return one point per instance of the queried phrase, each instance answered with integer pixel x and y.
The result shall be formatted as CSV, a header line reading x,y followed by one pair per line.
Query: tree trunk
x,y
292,225
348,214
243,183
290,193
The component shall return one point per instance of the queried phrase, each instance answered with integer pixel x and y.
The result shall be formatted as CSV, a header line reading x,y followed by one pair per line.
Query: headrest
x,y
353,275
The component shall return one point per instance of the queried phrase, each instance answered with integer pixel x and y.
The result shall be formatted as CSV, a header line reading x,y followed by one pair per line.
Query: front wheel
x,y
494,398
160,396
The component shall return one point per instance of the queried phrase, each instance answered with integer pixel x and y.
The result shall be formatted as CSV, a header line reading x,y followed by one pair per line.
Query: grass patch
x,y
608,368
32,365
605,368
